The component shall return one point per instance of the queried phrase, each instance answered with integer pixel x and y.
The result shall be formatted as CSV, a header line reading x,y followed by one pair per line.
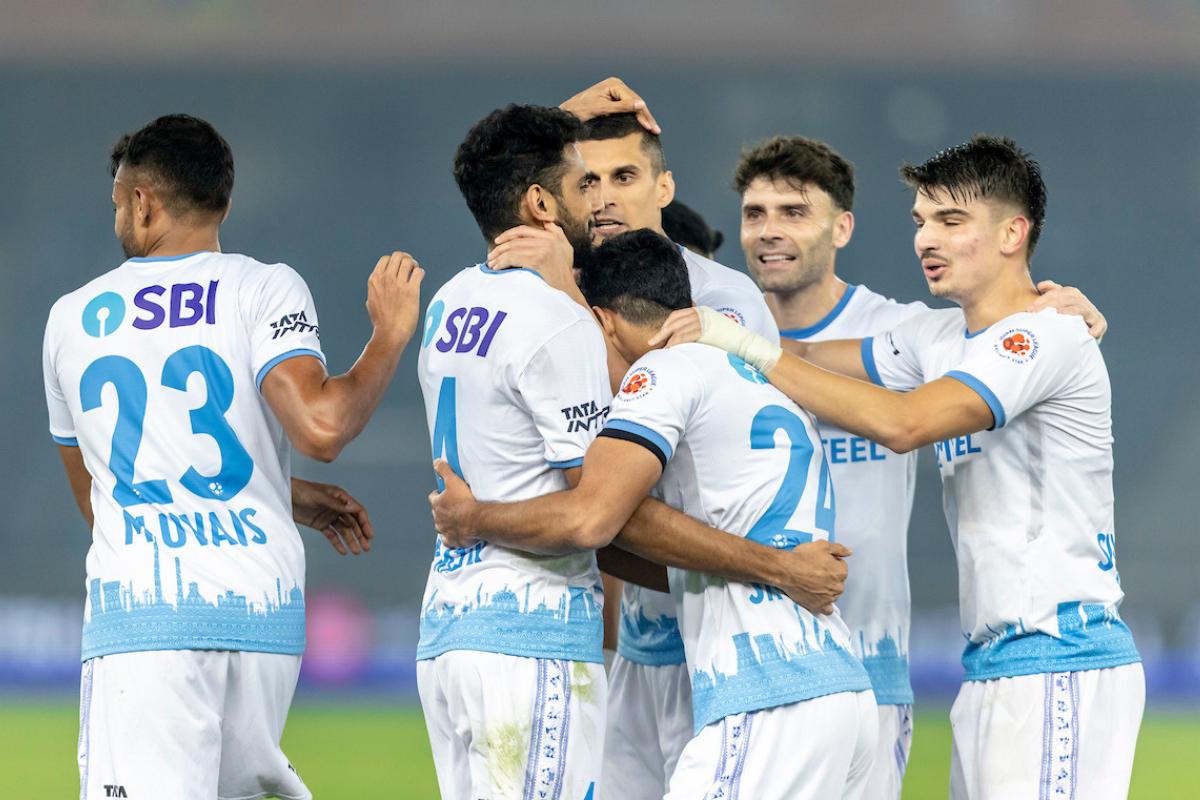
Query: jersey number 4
x,y
771,528
209,419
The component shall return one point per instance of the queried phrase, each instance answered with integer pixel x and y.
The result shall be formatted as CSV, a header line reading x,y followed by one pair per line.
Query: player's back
x,y
515,385
743,458
153,370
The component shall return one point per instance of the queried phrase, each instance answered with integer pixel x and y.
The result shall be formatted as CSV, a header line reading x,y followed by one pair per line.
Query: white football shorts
x,y
1049,736
649,722
510,728
891,753
186,725
817,749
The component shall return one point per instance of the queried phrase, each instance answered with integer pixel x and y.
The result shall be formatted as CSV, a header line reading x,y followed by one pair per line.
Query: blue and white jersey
x,y
515,380
153,371
649,631
1029,501
740,456
875,495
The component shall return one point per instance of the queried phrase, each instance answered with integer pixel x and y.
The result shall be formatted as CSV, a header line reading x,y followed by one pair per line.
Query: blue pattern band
x,y
868,358
65,441
648,437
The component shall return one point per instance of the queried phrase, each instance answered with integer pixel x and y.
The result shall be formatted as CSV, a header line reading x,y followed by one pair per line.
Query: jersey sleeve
x,y
890,359
565,386
1031,358
658,396
62,425
282,320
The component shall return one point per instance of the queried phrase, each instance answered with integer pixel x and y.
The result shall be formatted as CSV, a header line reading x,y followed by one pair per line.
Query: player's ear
x,y
1014,234
666,188
143,201
843,229
539,205
607,321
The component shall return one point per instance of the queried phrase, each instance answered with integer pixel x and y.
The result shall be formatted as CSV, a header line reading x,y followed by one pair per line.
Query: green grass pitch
x,y
361,752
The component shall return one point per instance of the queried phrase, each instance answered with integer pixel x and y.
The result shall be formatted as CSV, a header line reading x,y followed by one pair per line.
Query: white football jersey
x,y
741,457
649,632
515,380
1029,501
153,371
875,495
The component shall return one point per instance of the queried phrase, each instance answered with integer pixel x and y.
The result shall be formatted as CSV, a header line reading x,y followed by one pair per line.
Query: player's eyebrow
x,y
752,207
625,168
953,211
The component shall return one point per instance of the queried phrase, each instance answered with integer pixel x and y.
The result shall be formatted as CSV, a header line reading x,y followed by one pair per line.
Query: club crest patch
x,y
638,383
1018,345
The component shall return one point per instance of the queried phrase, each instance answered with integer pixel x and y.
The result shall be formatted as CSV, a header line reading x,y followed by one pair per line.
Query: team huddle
x,y
656,475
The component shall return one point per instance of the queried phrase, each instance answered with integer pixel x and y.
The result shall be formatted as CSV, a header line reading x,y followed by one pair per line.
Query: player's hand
x,y
335,513
394,297
1069,300
546,251
453,508
814,574
610,96
681,327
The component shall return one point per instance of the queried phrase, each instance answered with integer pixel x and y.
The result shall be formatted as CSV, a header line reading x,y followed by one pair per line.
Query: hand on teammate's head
x,y
611,96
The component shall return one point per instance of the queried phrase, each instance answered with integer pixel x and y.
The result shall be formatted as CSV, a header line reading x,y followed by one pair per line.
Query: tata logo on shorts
x,y
733,314
638,384
103,315
114,790
1018,345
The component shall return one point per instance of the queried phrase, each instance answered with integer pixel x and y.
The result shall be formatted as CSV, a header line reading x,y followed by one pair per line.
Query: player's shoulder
x,y
706,274
1035,331
881,310
94,288
935,323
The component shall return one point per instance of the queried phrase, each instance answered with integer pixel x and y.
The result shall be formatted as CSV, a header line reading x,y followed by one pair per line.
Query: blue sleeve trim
x,y
299,351
989,397
645,436
568,464
65,441
868,359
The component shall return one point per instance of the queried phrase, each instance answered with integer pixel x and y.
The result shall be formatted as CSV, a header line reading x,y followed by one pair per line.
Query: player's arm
x,y
901,421
1069,300
322,414
79,478
843,356
616,475
617,565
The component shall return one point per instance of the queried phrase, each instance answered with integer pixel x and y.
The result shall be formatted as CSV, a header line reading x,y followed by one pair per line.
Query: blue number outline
x,y
770,529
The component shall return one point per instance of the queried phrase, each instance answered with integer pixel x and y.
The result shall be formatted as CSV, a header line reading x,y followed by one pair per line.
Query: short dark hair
x,y
640,275
618,126
798,160
191,161
686,227
989,168
504,154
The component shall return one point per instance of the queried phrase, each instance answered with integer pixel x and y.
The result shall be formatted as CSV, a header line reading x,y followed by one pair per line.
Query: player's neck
x,y
808,306
1008,295
182,241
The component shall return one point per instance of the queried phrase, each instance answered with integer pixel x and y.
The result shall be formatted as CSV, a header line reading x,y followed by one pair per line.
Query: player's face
x,y
630,194
122,200
957,241
578,201
790,234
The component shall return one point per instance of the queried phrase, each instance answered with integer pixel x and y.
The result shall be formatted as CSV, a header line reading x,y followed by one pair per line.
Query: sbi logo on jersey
x,y
103,315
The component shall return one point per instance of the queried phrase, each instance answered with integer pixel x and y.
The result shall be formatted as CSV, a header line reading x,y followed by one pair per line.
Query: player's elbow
x,y
592,532
318,441
901,433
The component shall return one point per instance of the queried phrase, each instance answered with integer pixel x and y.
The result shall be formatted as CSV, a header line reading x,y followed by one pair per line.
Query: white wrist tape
x,y
718,330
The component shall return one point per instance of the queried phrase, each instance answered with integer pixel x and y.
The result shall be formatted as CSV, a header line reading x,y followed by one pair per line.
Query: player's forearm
x,y
667,536
883,416
843,356
553,524
344,403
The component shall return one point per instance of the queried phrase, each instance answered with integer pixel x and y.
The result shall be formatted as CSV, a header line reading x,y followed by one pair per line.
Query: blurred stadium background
x,y
344,117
